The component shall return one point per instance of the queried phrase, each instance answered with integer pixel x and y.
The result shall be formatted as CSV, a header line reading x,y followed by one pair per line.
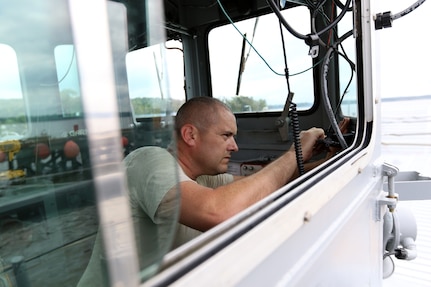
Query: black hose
x,y
277,12
325,98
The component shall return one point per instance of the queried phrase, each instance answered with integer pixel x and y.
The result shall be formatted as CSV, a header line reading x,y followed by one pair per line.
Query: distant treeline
x,y
406,98
146,106
12,111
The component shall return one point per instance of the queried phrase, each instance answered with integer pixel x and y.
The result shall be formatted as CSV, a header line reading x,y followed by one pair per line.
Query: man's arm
x,y
203,208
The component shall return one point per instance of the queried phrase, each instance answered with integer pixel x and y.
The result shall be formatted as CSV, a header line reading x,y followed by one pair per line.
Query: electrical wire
x,y
257,52
408,10
286,68
326,59
335,22
248,42
277,12
293,114
384,20
313,22
65,74
352,69
341,5
350,62
325,98
294,121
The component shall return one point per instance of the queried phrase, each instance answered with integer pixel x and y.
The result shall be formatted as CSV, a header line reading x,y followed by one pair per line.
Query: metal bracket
x,y
313,42
390,171
389,198
282,123
385,200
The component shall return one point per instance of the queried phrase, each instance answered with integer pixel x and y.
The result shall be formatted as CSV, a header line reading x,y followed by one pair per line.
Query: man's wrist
x,y
291,152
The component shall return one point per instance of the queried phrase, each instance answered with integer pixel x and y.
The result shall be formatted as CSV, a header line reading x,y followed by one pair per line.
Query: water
x,y
406,143
406,134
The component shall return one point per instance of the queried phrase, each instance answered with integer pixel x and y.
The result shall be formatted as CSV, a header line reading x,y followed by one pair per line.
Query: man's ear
x,y
189,134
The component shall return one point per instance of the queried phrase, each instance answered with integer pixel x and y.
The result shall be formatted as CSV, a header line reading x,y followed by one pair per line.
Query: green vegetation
x,y
12,111
245,104
149,106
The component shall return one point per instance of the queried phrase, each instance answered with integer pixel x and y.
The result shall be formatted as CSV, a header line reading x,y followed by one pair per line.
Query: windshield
x,y
248,46
50,198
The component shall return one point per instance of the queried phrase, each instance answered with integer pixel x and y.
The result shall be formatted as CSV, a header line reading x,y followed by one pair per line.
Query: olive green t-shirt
x,y
152,175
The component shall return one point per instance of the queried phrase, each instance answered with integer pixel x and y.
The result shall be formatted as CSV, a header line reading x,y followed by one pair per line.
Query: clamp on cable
x,y
313,42
383,20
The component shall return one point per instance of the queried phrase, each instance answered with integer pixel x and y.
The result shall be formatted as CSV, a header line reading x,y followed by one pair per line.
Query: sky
x,y
260,79
404,51
403,57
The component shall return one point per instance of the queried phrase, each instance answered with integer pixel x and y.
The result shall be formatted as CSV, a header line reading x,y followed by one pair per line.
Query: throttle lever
x,y
328,142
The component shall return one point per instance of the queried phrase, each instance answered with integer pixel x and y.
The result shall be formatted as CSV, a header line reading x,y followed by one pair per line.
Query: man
x,y
205,130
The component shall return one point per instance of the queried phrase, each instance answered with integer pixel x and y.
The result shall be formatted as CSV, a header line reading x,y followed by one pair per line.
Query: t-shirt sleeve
x,y
215,181
151,173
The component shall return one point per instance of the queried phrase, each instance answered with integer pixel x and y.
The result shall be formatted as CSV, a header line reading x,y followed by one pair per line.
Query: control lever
x,y
328,142
332,140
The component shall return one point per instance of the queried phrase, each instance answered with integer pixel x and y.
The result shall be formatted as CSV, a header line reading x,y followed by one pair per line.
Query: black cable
x,y
338,19
344,92
293,114
313,22
325,98
277,12
294,122
344,37
286,68
352,67
342,6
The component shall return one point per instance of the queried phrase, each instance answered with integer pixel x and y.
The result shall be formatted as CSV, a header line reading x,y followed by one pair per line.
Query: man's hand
x,y
308,141
344,128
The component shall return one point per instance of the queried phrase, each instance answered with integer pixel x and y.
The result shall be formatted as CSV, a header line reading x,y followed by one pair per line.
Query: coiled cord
x,y
294,121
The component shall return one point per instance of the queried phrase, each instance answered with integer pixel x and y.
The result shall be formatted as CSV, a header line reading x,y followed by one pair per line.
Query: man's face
x,y
216,143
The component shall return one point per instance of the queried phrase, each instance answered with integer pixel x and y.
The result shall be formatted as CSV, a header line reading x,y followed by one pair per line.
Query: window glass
x,y
155,88
68,83
348,87
48,217
262,84
151,92
13,121
49,224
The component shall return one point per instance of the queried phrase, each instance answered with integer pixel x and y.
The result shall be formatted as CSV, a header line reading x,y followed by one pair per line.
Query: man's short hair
x,y
201,112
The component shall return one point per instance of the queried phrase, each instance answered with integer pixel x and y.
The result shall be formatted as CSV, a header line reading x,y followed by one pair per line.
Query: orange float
x,y
42,150
125,141
71,149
